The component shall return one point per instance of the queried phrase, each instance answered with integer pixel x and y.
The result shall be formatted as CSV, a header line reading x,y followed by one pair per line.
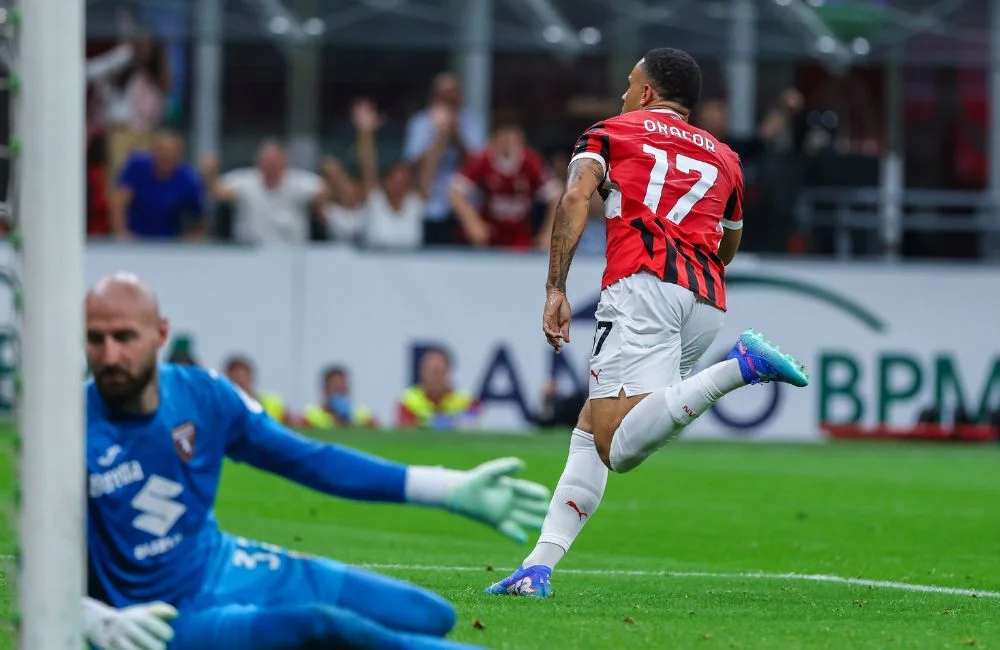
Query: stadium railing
x,y
851,210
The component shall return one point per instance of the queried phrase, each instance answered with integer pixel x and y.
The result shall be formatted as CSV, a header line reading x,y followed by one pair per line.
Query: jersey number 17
x,y
707,175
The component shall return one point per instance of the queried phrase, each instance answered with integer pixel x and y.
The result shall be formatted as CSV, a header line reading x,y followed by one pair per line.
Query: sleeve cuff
x,y
591,156
430,486
732,225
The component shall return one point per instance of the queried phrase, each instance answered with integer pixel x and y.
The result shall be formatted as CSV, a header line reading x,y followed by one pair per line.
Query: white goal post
x,y
51,214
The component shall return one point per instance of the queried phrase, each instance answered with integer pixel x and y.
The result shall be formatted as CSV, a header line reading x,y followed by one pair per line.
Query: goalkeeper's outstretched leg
x,y
266,598
394,603
312,626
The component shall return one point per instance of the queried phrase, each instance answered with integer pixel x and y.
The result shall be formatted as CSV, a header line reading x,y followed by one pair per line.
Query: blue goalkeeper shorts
x,y
266,598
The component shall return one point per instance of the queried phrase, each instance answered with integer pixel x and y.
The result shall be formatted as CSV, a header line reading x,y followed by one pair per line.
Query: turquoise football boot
x,y
761,362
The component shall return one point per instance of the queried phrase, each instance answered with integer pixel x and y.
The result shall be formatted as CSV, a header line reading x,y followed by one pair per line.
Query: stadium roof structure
x,y
838,32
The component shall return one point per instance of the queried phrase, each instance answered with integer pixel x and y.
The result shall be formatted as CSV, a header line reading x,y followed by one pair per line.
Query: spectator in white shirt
x,y
273,204
346,210
393,209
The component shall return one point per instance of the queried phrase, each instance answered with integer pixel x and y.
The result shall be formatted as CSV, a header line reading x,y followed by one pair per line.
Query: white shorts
x,y
649,335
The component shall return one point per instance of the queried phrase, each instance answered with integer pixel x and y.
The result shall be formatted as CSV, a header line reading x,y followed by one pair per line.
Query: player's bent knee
x,y
584,422
607,415
604,420
602,440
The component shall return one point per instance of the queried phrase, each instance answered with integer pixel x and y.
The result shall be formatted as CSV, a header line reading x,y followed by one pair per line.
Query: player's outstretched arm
x,y
584,177
487,493
139,627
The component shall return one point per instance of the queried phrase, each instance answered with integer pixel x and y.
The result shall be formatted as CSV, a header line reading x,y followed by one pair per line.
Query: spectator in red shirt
x,y
509,177
98,204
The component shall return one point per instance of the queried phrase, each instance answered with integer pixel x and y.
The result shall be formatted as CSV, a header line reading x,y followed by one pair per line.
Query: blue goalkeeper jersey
x,y
152,481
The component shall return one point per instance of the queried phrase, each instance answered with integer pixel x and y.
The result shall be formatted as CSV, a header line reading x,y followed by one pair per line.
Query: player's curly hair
x,y
675,75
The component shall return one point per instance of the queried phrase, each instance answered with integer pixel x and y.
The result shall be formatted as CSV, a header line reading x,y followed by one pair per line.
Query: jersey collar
x,y
672,113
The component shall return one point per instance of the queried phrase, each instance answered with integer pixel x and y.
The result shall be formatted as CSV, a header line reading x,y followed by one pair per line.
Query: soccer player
x,y
672,196
157,435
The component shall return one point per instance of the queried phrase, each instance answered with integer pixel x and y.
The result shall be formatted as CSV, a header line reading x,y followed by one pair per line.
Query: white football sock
x,y
662,416
574,501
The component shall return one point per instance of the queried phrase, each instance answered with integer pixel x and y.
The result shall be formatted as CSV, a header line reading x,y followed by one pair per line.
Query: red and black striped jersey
x,y
669,190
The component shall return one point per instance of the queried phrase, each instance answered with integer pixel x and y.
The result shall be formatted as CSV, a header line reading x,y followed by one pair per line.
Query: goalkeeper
x,y
157,435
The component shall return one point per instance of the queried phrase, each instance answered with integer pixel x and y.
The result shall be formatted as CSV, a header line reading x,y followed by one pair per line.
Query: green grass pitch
x,y
904,513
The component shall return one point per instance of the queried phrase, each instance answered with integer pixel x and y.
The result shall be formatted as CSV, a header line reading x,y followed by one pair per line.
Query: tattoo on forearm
x,y
570,219
564,243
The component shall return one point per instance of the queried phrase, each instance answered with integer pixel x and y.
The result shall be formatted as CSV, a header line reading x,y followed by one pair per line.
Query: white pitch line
x,y
754,575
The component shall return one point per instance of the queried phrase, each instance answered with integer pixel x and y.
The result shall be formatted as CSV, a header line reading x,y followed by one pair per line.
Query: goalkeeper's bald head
x,y
125,332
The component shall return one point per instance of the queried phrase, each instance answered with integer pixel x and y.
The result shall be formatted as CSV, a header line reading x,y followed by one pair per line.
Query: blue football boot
x,y
761,362
532,581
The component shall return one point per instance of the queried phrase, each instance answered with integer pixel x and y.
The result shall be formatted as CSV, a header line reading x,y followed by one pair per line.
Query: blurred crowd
x,y
431,402
457,182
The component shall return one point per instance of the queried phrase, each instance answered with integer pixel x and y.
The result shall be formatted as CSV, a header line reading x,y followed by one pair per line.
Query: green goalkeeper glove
x,y
510,505
486,493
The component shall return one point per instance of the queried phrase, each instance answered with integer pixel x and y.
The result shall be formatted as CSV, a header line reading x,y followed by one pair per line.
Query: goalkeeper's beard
x,y
121,390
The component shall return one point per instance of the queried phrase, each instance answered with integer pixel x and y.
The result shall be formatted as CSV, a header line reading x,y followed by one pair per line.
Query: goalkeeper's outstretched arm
x,y
486,493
